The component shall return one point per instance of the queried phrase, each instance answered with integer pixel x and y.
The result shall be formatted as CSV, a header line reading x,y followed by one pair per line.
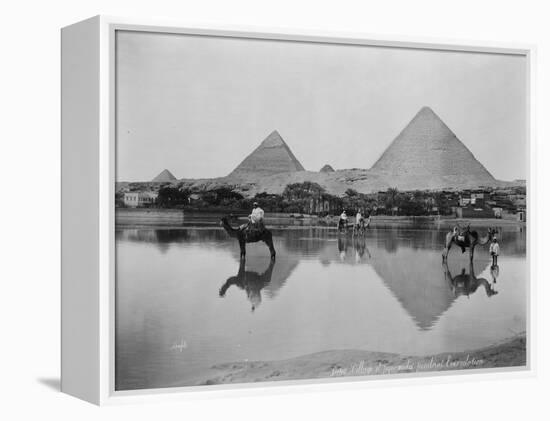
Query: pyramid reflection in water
x,y
409,265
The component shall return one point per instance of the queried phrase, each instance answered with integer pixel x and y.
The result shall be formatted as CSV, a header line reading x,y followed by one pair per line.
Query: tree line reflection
x,y
408,262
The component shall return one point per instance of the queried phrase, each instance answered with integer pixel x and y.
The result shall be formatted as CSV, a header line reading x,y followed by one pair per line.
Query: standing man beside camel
x,y
494,250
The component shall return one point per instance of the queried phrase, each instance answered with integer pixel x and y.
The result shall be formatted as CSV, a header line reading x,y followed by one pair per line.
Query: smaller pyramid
x,y
164,176
273,156
327,168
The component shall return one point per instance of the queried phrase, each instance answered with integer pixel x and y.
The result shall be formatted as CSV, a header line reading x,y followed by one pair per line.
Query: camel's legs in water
x,y
269,242
446,250
242,245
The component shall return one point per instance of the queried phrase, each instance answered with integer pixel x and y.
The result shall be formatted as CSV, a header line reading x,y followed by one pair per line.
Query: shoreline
x,y
352,363
176,219
329,227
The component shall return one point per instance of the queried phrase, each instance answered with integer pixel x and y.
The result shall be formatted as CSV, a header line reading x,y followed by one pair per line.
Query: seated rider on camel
x,y
255,219
460,235
343,220
359,218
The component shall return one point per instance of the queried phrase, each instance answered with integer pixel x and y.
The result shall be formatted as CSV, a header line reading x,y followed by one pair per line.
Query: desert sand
x,y
350,363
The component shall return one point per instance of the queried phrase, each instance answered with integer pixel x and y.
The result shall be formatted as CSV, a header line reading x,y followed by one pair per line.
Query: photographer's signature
x,y
179,346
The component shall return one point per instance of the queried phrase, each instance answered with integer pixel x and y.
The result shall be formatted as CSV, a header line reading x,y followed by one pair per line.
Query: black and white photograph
x,y
276,210
308,210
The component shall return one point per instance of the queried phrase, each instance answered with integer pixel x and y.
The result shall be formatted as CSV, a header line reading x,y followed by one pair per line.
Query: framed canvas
x,y
244,209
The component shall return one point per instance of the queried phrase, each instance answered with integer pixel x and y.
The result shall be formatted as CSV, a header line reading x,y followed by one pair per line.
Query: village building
x,y
478,199
139,199
473,212
497,212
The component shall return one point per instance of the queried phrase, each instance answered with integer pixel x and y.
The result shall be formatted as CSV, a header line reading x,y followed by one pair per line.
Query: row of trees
x,y
223,197
308,198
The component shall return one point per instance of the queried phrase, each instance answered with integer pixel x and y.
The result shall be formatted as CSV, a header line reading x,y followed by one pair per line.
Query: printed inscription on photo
x,y
298,210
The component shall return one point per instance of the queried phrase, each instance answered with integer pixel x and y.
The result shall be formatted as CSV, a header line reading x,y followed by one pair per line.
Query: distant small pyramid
x,y
428,150
164,176
273,156
327,168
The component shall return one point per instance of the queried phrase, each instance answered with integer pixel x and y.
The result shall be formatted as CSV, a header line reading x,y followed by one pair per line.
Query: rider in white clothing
x,y
256,218
343,220
257,214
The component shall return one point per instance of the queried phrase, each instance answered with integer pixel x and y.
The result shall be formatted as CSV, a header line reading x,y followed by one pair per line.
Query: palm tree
x,y
351,193
391,198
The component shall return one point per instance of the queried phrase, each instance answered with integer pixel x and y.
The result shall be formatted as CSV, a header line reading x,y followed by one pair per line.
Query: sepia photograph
x,y
291,210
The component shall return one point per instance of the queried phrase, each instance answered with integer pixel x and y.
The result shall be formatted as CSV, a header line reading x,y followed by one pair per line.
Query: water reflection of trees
x,y
312,241
305,241
512,241
407,261
393,238
163,238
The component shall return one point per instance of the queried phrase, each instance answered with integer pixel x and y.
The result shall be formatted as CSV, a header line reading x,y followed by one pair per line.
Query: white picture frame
x,y
88,171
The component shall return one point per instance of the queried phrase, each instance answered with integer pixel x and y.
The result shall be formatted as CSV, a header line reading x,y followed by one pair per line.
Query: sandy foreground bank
x,y
348,363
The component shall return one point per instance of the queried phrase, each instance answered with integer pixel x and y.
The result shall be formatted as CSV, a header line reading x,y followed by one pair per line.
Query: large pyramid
x,y
273,156
164,176
427,154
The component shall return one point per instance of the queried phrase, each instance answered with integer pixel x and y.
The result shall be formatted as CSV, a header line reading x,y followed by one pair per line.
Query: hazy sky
x,y
199,105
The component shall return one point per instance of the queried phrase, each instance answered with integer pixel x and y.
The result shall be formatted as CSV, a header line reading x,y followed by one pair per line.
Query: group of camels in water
x,y
465,283
462,236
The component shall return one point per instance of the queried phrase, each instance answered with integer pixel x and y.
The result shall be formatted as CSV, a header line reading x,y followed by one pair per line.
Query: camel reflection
x,y
251,282
359,245
467,283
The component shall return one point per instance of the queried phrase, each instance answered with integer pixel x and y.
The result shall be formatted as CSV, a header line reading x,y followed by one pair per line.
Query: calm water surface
x,y
184,302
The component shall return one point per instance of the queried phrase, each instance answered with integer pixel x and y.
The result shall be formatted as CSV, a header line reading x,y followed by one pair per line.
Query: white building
x,y
138,199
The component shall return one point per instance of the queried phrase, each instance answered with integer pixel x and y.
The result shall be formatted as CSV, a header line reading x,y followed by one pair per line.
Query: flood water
x,y
184,302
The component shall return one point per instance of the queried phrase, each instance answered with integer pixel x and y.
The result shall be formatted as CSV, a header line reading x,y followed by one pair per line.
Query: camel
x,y
464,238
251,282
357,229
249,236
344,226
467,283
361,227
